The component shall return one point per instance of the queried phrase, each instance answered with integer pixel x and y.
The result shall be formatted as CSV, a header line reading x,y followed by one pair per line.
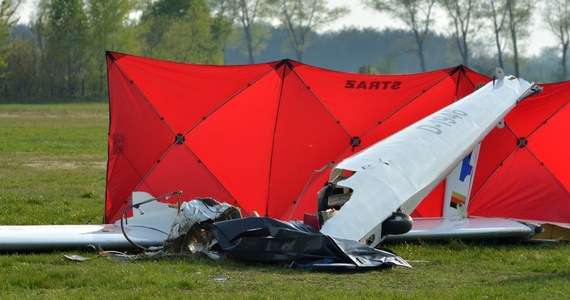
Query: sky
x,y
363,17
25,10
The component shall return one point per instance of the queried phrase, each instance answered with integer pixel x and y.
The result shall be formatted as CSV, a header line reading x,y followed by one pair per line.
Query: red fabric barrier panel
x,y
524,169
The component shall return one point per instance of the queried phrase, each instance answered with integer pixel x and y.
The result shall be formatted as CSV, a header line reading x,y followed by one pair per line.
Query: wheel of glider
x,y
397,223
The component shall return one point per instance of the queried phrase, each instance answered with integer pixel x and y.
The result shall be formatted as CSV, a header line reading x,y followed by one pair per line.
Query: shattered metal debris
x,y
189,233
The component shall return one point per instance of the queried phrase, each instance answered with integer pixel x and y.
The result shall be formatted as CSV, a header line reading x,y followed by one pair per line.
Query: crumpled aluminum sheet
x,y
188,233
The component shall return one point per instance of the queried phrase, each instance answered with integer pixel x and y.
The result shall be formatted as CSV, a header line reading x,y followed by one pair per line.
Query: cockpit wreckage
x,y
208,228
368,197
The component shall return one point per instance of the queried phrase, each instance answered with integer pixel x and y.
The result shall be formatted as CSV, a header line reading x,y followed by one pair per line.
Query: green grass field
x,y
52,171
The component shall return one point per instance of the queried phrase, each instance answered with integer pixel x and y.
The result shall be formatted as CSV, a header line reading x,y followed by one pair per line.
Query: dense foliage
x,y
59,54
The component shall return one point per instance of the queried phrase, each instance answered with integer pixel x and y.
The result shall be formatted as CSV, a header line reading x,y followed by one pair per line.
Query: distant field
x,y
52,171
52,163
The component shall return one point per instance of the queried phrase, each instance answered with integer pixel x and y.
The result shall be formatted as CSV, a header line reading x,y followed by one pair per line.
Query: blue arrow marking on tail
x,y
466,168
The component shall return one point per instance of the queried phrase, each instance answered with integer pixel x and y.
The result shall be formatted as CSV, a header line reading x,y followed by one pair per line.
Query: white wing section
x,y
399,171
145,229
467,228
52,237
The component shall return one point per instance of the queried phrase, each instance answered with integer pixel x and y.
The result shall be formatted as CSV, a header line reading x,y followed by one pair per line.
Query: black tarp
x,y
267,240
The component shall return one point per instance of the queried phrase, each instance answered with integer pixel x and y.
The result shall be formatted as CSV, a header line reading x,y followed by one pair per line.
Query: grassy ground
x,y
52,171
52,163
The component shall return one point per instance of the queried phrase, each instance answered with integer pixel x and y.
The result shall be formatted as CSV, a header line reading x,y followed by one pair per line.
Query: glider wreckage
x,y
388,180
368,199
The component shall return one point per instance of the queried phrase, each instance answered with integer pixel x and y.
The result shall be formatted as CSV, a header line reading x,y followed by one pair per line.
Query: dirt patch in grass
x,y
67,165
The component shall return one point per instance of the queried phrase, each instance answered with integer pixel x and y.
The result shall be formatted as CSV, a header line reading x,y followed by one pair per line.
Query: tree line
x,y
59,54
